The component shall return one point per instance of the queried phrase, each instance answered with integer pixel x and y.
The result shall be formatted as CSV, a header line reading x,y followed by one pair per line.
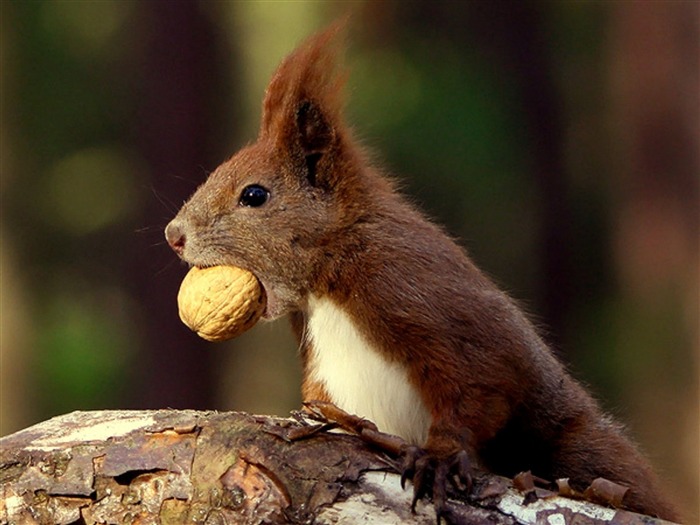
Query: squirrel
x,y
395,322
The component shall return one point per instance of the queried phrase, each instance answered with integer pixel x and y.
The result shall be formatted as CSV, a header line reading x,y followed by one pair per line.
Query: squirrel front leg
x,y
311,390
450,454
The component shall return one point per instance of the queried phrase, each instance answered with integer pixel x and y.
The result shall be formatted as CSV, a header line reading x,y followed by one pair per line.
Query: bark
x,y
176,467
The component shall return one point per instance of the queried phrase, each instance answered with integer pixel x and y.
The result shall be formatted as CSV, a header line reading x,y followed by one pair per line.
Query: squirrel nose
x,y
175,236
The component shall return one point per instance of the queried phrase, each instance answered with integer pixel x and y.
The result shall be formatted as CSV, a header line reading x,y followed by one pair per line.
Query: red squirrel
x,y
395,322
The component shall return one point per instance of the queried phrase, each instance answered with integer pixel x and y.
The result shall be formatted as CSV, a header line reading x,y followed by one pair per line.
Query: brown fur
x,y
335,227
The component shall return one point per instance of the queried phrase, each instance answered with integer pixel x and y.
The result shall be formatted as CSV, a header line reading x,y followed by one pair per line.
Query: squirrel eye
x,y
253,196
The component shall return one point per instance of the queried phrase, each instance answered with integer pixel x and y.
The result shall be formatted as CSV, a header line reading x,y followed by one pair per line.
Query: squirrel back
x,y
395,322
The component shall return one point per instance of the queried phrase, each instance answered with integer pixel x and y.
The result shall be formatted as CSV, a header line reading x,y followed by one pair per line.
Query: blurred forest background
x,y
559,141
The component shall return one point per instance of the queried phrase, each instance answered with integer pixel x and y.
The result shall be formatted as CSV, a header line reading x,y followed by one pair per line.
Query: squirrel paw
x,y
430,474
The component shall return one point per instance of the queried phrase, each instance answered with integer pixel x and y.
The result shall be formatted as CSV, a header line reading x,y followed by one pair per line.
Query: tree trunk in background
x,y
527,53
176,82
655,87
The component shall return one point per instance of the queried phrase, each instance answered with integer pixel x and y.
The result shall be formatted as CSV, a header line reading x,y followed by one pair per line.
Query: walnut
x,y
220,302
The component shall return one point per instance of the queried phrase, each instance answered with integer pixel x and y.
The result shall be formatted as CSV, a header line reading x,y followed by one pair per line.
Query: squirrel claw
x,y
461,469
408,468
430,475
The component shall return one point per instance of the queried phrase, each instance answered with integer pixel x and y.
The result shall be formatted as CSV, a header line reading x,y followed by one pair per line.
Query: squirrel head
x,y
278,206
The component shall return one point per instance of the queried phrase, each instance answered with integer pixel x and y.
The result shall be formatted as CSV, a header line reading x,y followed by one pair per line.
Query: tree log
x,y
177,466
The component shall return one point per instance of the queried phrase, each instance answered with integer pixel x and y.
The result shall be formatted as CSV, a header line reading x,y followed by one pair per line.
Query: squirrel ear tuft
x,y
303,102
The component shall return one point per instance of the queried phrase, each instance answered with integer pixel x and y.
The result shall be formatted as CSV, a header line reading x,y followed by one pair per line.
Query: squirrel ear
x,y
302,110
316,134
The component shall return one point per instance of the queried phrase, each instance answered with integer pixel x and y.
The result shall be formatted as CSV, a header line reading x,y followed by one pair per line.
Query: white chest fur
x,y
358,378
